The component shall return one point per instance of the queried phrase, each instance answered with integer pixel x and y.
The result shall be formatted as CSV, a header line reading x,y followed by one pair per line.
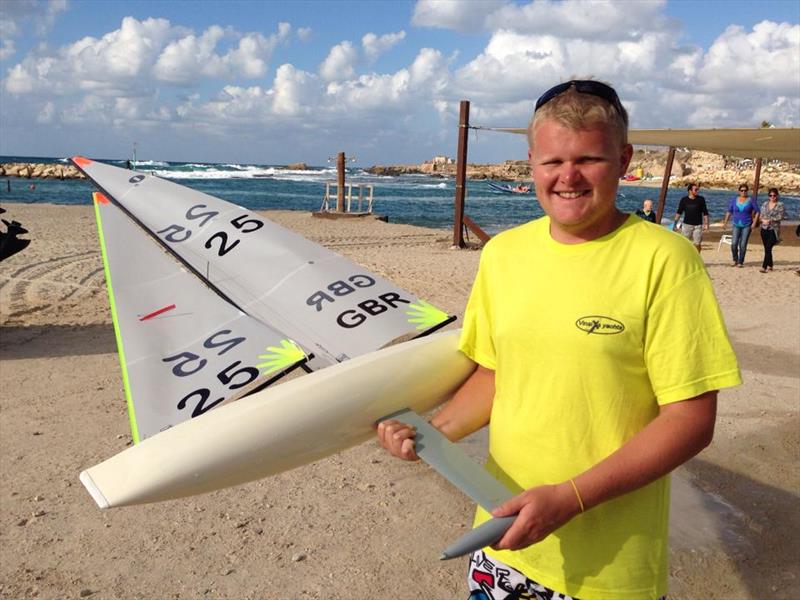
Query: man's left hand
x,y
540,511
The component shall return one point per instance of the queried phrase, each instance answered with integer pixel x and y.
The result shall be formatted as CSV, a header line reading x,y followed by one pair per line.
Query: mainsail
x,y
183,350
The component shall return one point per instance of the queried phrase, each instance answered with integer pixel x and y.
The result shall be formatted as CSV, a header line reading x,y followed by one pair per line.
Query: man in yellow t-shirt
x,y
600,348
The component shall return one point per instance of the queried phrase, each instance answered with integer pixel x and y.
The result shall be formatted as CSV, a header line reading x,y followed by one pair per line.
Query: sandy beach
x,y
358,525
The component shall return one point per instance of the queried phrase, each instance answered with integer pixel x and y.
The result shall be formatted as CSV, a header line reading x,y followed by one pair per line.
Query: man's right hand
x,y
398,439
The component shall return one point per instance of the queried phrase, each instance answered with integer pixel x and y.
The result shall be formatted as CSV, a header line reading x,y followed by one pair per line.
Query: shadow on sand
x,y
720,516
51,341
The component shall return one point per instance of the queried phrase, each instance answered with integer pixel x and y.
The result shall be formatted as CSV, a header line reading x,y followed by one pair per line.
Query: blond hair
x,y
576,110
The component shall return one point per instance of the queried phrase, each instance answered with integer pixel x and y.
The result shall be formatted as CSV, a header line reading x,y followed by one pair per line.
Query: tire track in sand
x,y
49,284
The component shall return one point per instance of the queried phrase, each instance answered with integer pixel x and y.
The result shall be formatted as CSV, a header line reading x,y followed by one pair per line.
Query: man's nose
x,y
569,173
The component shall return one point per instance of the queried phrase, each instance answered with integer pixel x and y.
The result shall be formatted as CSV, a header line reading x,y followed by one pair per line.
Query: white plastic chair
x,y
725,239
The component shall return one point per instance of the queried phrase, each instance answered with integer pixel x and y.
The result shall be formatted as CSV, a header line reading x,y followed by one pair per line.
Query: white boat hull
x,y
282,427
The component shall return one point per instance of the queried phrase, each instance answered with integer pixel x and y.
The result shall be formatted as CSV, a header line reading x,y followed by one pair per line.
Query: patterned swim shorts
x,y
490,579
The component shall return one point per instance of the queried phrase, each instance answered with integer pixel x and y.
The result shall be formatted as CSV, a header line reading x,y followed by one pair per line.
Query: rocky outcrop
x,y
510,170
40,171
300,166
706,169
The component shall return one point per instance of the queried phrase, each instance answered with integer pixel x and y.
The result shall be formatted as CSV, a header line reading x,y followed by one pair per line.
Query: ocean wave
x,y
144,164
193,171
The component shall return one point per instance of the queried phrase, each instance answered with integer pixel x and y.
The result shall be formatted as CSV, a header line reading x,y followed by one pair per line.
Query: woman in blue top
x,y
745,217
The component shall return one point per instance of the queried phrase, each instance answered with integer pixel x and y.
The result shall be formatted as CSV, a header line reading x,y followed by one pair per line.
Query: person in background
x,y
646,212
772,213
695,216
586,444
744,211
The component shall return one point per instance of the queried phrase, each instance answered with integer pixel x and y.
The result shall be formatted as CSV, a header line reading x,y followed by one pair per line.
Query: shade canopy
x,y
779,143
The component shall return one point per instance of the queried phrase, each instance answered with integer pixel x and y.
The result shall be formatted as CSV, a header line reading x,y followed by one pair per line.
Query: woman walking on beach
x,y
772,213
744,211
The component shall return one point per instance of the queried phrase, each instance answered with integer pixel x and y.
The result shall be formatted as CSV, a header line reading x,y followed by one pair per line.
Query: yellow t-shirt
x,y
587,340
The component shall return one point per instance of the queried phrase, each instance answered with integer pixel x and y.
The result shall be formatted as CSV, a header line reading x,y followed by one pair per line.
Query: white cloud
x,y
767,58
16,15
461,15
7,50
192,58
340,62
587,19
581,19
294,91
47,18
304,33
46,114
374,45
131,60
740,71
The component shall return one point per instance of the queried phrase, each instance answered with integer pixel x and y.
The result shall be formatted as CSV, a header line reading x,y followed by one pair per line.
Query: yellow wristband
x,y
578,495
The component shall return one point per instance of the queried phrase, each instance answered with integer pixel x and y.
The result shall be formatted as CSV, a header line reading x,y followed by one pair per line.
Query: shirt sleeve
x,y
705,208
687,349
476,334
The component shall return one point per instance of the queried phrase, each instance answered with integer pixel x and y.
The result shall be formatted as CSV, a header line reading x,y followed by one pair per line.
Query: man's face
x,y
647,205
693,191
576,174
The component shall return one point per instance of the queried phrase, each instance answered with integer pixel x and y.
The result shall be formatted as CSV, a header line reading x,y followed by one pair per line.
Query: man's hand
x,y
540,511
398,439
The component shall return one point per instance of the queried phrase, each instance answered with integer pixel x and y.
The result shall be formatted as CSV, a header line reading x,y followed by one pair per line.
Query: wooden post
x,y
461,174
340,181
757,181
662,196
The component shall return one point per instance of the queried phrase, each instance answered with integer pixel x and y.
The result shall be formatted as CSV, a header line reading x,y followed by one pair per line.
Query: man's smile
x,y
571,195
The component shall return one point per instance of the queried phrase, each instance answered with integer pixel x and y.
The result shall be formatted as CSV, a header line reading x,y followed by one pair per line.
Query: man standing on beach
x,y
600,349
646,212
695,219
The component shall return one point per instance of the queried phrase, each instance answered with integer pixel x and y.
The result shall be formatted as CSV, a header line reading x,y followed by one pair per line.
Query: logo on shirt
x,y
599,325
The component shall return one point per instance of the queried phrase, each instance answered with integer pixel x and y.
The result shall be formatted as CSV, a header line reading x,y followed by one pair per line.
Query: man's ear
x,y
625,159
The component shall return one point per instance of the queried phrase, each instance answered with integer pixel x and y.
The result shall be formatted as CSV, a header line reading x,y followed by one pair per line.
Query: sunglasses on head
x,y
585,86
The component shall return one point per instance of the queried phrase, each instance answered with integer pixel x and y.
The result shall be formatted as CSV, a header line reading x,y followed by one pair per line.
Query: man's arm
x,y
681,430
467,411
678,214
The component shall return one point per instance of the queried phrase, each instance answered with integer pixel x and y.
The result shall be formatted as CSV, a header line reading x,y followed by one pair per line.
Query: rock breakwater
x,y
40,171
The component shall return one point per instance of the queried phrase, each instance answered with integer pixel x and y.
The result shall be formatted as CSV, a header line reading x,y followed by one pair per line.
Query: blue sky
x,y
279,82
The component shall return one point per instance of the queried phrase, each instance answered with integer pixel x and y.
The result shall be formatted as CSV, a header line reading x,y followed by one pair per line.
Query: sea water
x,y
414,199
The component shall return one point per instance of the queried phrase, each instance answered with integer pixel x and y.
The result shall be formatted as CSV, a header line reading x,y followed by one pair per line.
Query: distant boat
x,y
506,188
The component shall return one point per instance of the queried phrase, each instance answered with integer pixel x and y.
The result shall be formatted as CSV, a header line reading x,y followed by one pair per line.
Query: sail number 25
x,y
233,376
219,240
